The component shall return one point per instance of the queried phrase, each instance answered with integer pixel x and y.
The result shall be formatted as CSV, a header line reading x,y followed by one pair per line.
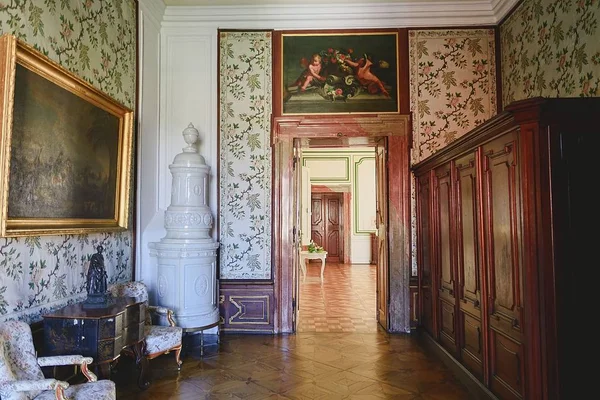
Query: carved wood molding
x,y
290,127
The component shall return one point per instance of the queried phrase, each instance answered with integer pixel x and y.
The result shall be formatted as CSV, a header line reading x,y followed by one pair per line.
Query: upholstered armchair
x,y
21,376
160,339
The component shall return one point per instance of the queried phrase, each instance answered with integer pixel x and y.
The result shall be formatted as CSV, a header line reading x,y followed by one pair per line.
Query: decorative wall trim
x,y
357,231
346,159
246,308
154,10
313,16
286,128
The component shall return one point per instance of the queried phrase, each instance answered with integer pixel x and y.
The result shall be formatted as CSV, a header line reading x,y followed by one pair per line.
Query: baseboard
x,y
473,385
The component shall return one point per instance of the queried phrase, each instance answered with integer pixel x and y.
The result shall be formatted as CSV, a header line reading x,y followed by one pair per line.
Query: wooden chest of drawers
x,y
100,333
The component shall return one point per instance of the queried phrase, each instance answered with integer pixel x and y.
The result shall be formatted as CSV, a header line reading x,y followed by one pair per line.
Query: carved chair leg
x,y
142,363
178,358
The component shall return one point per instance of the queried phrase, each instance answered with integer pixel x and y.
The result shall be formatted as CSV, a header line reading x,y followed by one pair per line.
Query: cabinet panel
x,y
424,252
427,310
444,256
471,346
468,260
447,326
507,367
469,280
502,221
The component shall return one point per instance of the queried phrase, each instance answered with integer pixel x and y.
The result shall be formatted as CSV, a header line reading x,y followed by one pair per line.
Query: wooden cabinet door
x,y
326,224
504,255
444,257
468,262
424,253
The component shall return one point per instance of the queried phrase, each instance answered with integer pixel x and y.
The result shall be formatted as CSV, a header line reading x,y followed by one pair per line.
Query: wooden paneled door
x,y
298,180
382,234
326,224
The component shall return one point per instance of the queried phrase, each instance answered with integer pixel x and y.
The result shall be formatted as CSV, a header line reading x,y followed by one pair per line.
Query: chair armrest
x,y
30,385
163,311
64,360
70,360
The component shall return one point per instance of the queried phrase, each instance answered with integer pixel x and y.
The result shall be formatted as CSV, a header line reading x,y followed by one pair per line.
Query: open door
x,y
297,216
306,206
382,233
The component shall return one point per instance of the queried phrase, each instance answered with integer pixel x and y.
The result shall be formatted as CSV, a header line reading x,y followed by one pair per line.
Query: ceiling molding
x,y
502,8
335,16
154,9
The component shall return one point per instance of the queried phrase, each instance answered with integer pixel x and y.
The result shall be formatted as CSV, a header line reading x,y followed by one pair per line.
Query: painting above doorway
x,y
353,72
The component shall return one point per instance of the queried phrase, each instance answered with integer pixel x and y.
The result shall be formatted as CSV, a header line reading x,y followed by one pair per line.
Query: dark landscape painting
x,y
64,153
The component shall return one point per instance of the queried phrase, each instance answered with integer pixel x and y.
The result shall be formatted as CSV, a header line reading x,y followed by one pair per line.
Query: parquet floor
x,y
338,353
345,301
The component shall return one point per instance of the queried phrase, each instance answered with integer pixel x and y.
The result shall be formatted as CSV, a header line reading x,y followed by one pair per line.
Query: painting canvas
x,y
339,73
66,150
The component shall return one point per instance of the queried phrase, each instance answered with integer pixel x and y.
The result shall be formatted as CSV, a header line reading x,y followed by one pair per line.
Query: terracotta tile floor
x,y
338,353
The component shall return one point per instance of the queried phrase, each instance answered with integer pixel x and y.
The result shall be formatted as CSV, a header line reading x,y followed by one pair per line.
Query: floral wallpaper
x,y
95,39
551,48
245,155
452,85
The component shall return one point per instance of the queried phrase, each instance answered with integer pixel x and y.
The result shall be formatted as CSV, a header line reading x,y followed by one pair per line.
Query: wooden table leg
x,y
322,267
142,363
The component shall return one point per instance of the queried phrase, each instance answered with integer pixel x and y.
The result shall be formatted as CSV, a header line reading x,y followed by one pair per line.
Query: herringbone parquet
x,y
338,353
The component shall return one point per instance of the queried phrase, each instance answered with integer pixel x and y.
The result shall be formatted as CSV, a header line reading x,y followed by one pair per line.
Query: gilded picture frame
x,y
65,149
339,73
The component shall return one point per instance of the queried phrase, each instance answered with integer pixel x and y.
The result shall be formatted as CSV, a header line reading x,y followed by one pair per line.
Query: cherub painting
x,y
340,73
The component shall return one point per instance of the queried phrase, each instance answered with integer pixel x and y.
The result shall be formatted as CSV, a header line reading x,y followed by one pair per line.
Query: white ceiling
x,y
296,2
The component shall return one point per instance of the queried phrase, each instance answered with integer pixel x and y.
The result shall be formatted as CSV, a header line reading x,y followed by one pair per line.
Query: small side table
x,y
201,329
317,255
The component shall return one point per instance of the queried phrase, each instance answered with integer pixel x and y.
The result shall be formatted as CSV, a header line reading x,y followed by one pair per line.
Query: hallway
x,y
344,302
338,353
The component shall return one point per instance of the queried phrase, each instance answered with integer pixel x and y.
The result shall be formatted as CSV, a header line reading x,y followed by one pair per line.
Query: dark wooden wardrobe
x,y
506,247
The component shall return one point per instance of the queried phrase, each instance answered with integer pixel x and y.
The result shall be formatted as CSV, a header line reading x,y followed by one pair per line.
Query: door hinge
x,y
294,235
295,162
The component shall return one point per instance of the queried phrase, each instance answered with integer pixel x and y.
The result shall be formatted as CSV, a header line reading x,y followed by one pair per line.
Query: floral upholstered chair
x,y
21,376
160,339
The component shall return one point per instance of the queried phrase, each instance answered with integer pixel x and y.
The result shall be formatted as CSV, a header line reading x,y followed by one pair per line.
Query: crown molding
x,y
501,8
315,16
154,9
336,16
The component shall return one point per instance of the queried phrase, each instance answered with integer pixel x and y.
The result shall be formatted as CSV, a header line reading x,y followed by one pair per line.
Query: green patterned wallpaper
x,y
452,85
96,40
245,155
551,48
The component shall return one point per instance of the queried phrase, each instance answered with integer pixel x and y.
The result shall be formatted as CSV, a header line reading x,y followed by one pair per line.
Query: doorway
x,y
326,221
341,131
341,217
